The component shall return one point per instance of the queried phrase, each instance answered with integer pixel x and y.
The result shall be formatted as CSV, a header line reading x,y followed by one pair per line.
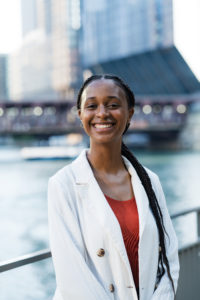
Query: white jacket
x,y
81,222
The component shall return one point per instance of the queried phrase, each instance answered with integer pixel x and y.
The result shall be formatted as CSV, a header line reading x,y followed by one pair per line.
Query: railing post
x,y
198,224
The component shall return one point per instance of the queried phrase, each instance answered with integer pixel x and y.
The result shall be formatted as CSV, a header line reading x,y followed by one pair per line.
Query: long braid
x,y
153,202
144,177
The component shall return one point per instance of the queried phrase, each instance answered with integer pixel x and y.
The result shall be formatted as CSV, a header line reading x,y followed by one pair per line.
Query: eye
x,y
91,106
113,105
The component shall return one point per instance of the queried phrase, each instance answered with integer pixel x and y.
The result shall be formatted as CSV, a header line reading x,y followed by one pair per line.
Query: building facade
x,y
134,40
48,63
28,16
66,24
66,40
3,77
114,29
30,68
44,15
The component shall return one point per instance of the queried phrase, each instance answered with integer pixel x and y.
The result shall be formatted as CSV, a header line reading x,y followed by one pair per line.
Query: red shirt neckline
x,y
109,198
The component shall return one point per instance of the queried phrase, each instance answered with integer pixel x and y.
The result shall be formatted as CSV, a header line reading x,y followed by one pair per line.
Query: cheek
x,y
122,116
85,117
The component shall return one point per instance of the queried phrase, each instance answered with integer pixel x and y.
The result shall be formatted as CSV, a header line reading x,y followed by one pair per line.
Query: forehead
x,y
103,87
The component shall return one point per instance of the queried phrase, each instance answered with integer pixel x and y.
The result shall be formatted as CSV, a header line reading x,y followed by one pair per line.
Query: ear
x,y
131,113
79,113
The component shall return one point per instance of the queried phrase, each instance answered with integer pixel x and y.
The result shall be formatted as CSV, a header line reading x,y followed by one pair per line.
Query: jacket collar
x,y
84,176
81,168
90,191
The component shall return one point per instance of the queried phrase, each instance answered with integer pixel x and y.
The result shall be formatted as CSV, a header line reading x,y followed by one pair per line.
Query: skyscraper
x,y
65,46
33,61
134,40
67,39
29,16
3,77
36,14
44,15
48,62
114,29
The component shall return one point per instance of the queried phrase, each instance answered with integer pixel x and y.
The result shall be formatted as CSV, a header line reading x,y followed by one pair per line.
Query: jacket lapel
x,y
90,191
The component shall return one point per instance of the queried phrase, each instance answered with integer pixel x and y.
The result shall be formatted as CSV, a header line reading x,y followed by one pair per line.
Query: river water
x,y
23,212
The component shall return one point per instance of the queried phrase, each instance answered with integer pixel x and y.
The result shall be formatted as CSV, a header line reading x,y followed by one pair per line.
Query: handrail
x,y
189,211
185,212
189,246
46,253
24,260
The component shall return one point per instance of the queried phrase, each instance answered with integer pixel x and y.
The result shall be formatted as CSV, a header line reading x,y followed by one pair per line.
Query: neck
x,y
106,157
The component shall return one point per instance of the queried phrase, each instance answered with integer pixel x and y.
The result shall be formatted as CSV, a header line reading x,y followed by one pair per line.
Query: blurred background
x,y
47,49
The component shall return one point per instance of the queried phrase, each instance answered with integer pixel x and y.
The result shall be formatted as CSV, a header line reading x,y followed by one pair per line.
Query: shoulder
x,y
157,187
152,175
63,185
63,176
60,189
155,181
77,170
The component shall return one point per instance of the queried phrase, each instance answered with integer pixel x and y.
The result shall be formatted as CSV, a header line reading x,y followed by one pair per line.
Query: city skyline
x,y
111,32
187,43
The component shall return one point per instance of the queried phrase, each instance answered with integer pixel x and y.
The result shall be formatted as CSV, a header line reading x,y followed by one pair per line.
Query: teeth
x,y
103,125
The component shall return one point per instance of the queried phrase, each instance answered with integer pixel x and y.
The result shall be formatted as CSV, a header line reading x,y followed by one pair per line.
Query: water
x,y
23,212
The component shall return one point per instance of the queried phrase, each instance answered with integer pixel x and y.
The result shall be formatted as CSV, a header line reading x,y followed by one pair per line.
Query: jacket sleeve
x,y
164,289
75,281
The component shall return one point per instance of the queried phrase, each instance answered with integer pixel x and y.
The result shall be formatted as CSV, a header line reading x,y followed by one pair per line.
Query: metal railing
x,y
39,255
189,211
189,255
24,260
189,284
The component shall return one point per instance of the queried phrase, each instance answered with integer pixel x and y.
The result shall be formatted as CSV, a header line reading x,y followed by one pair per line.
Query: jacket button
x,y
160,248
111,288
101,252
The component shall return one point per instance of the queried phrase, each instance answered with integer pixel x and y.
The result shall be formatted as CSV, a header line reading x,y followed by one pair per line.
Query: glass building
x,y
66,72
30,67
115,28
3,77
134,40
66,40
29,16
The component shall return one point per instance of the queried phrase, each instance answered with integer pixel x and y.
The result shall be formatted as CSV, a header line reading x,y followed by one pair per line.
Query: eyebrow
x,y
109,97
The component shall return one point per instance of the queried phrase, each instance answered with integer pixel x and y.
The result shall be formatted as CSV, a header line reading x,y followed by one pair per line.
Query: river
x,y
23,212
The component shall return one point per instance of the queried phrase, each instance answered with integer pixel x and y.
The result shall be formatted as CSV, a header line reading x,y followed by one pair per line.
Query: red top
x,y
127,215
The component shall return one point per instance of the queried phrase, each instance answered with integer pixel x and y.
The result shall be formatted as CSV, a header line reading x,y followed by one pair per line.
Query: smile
x,y
103,125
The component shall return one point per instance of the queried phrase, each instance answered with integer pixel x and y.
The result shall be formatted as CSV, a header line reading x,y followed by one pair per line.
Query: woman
x,y
111,236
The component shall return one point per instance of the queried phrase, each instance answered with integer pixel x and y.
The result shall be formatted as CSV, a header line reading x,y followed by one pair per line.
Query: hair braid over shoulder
x,y
155,208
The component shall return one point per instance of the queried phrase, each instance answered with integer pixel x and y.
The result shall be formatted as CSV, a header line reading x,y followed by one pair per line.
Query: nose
x,y
101,111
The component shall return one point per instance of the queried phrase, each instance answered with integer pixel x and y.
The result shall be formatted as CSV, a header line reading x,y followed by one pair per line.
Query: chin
x,y
105,140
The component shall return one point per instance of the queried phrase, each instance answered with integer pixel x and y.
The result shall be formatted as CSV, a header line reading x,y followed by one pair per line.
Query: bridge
x,y
159,116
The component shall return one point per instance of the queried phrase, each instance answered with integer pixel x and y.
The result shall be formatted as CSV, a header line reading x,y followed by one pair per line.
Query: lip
x,y
103,126
102,123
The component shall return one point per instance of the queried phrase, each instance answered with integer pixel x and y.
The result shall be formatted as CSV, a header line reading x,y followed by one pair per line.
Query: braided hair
x,y
142,173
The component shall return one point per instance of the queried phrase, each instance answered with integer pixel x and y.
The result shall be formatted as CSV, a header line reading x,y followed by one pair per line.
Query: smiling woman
x,y
104,112
110,230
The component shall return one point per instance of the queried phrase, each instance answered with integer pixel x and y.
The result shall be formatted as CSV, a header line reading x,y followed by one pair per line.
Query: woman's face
x,y
104,111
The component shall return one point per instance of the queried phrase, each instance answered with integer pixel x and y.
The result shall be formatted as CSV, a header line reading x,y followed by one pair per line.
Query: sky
x,y
10,25
186,29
